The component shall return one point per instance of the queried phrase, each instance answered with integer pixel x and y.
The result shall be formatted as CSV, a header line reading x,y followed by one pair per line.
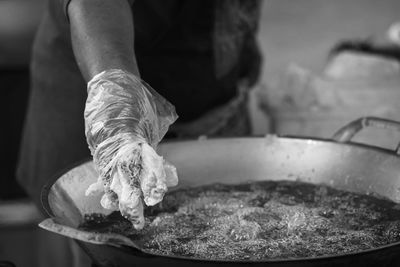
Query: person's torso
x,y
190,51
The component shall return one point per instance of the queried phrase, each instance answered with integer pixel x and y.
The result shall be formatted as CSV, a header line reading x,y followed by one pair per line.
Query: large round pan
x,y
337,162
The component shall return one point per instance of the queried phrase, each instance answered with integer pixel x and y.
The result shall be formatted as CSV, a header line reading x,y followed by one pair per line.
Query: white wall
x,y
303,31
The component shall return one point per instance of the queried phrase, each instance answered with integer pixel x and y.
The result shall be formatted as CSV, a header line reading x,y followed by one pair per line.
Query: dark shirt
x,y
192,52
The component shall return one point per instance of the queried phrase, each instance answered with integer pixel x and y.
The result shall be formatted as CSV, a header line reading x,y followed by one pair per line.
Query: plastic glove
x,y
125,119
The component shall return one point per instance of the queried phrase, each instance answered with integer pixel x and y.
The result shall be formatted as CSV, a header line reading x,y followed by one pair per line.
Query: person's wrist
x,y
109,74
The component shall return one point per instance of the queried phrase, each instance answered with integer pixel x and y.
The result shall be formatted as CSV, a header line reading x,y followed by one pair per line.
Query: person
x,y
94,66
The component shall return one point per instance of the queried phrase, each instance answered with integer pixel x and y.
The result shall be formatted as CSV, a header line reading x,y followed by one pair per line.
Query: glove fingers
x,y
94,188
133,213
171,175
129,196
152,176
109,200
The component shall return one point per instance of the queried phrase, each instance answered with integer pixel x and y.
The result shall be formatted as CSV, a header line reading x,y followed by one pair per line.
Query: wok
x,y
337,162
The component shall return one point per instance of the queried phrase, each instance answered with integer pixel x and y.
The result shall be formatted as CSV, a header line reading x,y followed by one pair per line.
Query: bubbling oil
x,y
259,221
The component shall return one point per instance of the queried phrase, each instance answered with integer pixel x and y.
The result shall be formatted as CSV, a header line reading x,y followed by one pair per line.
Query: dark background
x,y
18,22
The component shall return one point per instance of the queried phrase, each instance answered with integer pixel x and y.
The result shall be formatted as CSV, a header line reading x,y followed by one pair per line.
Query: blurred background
x,y
295,37
18,22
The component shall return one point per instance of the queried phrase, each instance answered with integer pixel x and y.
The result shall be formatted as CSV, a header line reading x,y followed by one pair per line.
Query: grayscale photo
x,y
200,133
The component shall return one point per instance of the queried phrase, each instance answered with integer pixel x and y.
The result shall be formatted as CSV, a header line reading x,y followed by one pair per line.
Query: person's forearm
x,y
102,36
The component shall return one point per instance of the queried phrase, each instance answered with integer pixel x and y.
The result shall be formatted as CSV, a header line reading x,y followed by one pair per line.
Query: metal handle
x,y
103,239
346,133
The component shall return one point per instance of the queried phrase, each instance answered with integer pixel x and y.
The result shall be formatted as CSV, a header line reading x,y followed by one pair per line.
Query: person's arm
x,y
125,118
102,36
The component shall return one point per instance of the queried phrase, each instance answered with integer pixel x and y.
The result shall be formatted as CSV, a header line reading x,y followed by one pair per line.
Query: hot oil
x,y
260,220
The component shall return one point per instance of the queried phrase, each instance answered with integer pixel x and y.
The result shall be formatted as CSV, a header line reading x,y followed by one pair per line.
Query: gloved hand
x,y
125,119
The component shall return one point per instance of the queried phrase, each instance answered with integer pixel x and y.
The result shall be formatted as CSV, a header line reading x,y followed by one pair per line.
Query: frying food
x,y
259,221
